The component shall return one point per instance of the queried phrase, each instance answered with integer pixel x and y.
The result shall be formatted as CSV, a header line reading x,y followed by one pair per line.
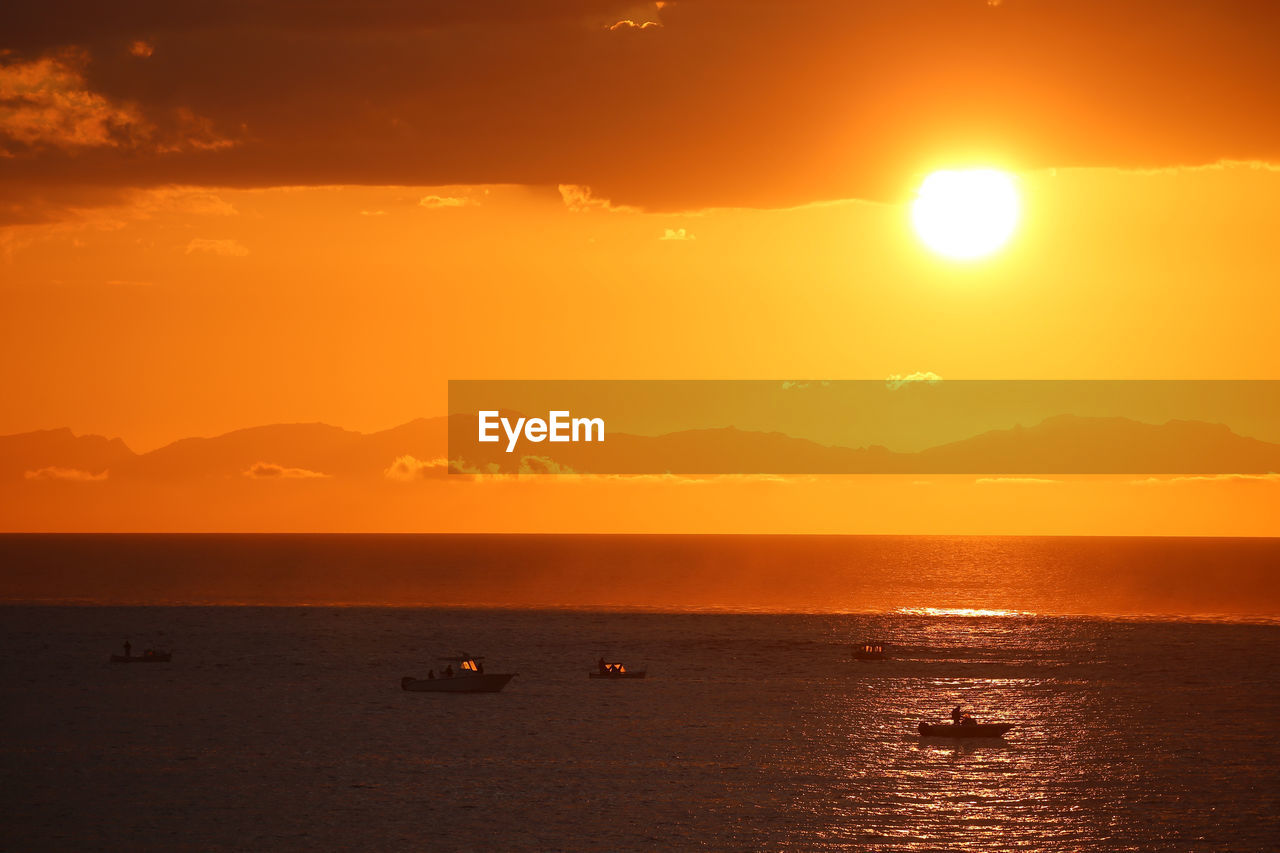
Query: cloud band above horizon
x,y
717,104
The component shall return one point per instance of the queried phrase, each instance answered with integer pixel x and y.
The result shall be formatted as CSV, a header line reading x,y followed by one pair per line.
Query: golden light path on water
x,y
1081,766
752,731
960,611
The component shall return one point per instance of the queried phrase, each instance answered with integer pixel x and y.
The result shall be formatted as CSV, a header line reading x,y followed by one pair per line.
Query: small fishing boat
x,y
469,678
611,671
869,651
964,729
145,657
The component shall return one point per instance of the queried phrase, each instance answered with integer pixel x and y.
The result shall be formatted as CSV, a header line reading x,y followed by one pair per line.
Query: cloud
x,y
542,465
373,213
45,103
192,200
632,25
192,132
488,470
226,248
141,49
894,381
676,234
406,469
445,201
271,471
580,199
440,94
66,475
67,215
1015,481
1207,478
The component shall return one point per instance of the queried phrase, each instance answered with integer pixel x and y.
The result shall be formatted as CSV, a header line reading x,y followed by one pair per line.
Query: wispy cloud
x,y
542,465
676,234
437,201
1015,481
272,471
489,469
894,381
169,200
579,199
633,25
226,248
1207,478
406,469
66,475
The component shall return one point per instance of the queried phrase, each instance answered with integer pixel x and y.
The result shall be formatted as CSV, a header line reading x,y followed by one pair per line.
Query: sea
x,y
280,723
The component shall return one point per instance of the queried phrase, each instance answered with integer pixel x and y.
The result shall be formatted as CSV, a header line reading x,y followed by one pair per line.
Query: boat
x,y
613,671
964,729
869,651
469,678
146,657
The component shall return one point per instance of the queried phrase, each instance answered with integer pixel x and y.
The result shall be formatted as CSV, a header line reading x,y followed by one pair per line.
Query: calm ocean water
x,y
285,728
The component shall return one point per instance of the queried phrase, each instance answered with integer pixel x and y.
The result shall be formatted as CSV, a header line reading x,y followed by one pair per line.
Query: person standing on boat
x,y
955,716
128,649
601,664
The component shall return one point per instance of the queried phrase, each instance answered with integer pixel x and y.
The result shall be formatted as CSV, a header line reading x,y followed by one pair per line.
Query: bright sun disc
x,y
966,214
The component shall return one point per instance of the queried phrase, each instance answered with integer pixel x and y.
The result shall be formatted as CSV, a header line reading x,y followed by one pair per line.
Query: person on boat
x,y
448,670
431,675
968,720
479,668
603,666
955,715
128,649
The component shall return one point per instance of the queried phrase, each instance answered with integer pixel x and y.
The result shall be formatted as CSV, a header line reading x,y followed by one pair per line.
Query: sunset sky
x,y
220,216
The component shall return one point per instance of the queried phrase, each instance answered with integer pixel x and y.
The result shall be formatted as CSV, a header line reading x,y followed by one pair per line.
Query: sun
x,y
966,214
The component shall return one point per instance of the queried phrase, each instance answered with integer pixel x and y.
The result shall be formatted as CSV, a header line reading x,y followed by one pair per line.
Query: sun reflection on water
x,y
961,611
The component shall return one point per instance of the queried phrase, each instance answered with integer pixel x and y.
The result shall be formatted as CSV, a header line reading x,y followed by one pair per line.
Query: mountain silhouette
x,y
1063,444
317,448
1069,443
33,452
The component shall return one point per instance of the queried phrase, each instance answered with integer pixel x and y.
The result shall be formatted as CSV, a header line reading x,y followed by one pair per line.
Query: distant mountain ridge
x,y
1062,444
32,452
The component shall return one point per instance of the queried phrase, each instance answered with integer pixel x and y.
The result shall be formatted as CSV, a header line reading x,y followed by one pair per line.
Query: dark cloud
x,y
725,103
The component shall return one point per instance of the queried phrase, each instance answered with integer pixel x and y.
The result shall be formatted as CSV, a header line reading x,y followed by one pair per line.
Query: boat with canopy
x,y
469,677
869,651
613,670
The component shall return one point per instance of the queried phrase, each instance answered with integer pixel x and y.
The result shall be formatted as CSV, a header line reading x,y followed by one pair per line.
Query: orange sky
x,y
364,204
